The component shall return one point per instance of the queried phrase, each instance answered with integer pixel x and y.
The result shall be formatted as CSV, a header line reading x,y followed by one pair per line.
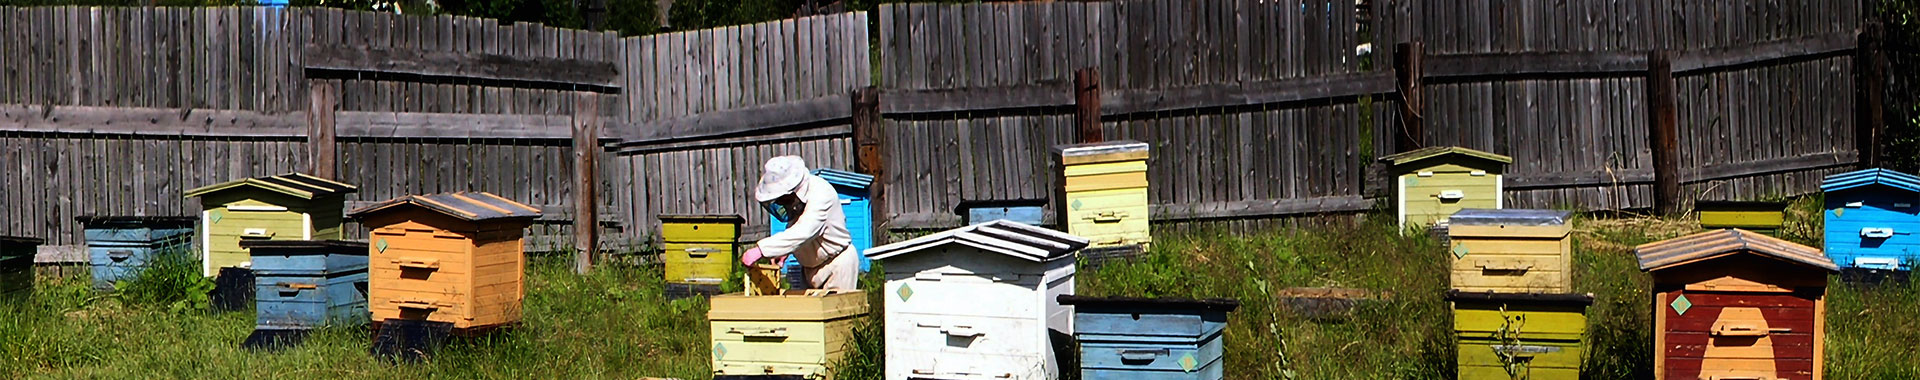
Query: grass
x,y
613,324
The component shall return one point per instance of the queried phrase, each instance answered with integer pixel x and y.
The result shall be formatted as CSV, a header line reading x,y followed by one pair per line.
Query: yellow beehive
x,y
1103,192
796,333
699,249
1511,251
454,258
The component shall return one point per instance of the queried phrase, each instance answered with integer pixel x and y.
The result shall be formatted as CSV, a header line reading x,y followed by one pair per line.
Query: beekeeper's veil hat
x,y
780,177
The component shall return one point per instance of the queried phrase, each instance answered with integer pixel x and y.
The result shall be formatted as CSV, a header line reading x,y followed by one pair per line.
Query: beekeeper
x,y
816,231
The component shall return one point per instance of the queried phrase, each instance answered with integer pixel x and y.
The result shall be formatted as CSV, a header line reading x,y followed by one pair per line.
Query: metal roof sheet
x,y
845,178
471,206
293,184
1000,236
154,221
714,218
350,247
1167,304
1875,176
1511,216
1088,149
1713,244
1437,151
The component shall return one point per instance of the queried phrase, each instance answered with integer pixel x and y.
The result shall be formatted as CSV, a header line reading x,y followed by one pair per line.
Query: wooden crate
x,y
453,257
1737,304
699,249
1103,192
978,302
1872,220
304,284
16,265
1540,333
121,247
795,333
1430,184
284,207
1137,338
1762,217
1511,251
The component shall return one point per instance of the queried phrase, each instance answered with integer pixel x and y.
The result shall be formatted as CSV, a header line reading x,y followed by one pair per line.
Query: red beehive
x,y
1735,304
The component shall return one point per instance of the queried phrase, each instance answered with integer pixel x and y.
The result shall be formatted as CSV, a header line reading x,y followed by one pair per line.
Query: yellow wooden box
x,y
1103,192
1511,251
452,258
795,333
1430,184
699,249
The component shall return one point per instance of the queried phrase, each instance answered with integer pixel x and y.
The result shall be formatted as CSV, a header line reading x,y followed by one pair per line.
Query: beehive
x,y
978,302
304,284
120,247
1762,217
453,257
283,207
1732,304
855,204
1139,338
796,333
1511,251
1103,192
1430,184
16,265
1028,211
1519,336
1871,221
699,249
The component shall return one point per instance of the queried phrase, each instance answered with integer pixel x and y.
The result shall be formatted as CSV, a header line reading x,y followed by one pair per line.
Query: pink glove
x,y
752,255
781,261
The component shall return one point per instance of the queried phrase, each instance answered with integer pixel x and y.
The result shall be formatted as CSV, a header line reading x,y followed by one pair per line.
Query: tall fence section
x,y
1255,109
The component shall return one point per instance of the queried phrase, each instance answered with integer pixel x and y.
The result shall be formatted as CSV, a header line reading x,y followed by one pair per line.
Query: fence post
x,y
322,151
1413,101
1870,80
586,149
870,154
1663,133
1086,106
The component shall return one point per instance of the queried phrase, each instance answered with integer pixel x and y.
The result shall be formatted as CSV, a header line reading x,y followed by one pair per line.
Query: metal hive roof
x,y
294,184
1511,216
1088,149
1000,236
1437,151
470,206
1713,244
845,178
1860,178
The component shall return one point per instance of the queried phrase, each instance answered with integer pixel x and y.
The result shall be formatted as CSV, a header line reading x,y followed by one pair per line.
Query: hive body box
x,y
16,265
1762,217
788,334
1732,304
304,284
1872,221
1028,211
978,302
1134,338
120,247
1542,333
453,257
1430,184
1511,251
1103,192
282,207
699,249
855,204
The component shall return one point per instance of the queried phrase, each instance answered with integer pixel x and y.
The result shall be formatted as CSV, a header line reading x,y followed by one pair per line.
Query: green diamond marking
x,y
1459,251
1076,205
1838,211
214,217
905,292
1681,304
1187,362
719,351
381,245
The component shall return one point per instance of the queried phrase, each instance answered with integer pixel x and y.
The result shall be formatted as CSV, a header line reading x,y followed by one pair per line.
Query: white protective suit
x,y
817,237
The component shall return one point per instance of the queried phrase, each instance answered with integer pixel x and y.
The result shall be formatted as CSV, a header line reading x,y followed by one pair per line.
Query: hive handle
x,y
760,332
1108,216
294,286
700,252
1745,330
410,262
1735,377
1876,233
416,304
119,254
1501,265
1143,355
961,331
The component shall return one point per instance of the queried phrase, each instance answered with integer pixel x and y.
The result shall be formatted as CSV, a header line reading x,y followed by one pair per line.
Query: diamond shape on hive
x,y
905,292
1187,362
1459,251
719,351
214,217
1681,304
1076,205
1837,211
381,245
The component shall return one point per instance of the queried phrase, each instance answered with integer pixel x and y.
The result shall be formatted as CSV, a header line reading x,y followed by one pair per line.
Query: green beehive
x,y
283,207
1430,184
1512,336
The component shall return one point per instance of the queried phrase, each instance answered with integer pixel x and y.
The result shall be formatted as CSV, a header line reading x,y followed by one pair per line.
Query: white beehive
x,y
978,302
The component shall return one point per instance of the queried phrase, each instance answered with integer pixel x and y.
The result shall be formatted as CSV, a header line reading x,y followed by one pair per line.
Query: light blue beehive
x,y
854,189
120,247
305,284
1144,338
1871,219
1029,211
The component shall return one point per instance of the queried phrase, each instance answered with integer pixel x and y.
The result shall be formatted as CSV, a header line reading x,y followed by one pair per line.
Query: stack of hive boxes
x,y
698,251
452,258
1103,197
799,332
1514,311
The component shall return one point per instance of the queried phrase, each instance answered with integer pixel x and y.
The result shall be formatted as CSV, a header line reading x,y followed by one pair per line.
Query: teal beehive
x,y
1150,338
1871,221
120,247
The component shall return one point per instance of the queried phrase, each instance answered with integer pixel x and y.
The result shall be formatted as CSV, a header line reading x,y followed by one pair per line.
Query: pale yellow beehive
x,y
1103,192
799,332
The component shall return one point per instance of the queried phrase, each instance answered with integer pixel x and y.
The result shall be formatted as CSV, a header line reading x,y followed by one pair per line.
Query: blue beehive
x,y
1871,221
304,284
120,247
1142,338
854,195
1028,211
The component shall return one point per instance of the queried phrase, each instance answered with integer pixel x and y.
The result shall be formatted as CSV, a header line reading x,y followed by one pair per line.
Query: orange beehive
x,y
453,257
